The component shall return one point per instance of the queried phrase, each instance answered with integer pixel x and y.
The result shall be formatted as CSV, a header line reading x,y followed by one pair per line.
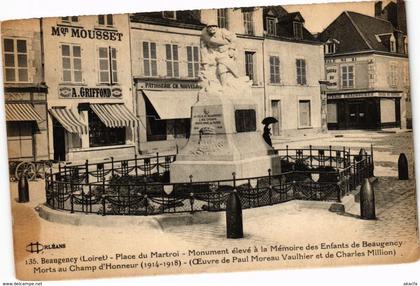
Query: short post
x,y
23,188
234,226
87,171
402,167
367,201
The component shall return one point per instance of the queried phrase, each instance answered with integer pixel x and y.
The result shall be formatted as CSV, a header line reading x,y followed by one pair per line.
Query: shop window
x,y
222,18
245,120
182,128
250,66
332,116
71,56
274,69
106,20
301,71
149,59
172,62
108,65
69,20
100,135
271,26
15,60
193,63
347,76
304,113
298,30
248,22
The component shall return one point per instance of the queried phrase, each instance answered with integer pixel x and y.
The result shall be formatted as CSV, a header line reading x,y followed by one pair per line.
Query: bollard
x,y
402,167
234,227
367,201
23,189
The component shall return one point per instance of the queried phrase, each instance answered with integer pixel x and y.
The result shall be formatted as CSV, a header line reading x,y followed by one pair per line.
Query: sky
x,y
319,16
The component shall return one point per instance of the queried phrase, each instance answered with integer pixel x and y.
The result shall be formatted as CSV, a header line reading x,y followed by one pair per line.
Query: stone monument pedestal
x,y
225,137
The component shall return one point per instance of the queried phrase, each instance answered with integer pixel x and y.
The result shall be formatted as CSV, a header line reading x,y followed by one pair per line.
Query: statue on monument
x,y
219,67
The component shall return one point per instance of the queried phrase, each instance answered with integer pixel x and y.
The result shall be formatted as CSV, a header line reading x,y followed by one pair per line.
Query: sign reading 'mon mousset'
x,y
80,32
89,92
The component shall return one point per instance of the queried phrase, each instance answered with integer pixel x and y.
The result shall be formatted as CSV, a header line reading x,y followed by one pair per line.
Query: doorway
x,y
59,141
276,113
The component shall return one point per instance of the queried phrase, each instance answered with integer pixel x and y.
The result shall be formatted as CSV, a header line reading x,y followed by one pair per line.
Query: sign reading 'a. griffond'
x,y
80,32
89,92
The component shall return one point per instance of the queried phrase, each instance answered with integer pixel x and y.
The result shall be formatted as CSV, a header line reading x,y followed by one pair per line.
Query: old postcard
x,y
213,140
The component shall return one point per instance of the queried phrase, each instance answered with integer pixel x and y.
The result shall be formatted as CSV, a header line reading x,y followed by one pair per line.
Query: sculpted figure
x,y
219,70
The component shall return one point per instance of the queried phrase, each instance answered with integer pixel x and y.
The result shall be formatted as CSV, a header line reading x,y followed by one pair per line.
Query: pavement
x,y
290,223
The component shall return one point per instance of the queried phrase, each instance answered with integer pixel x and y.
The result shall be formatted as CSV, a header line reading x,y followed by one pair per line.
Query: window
x,y
276,113
106,20
100,135
297,30
304,113
405,45
329,48
149,59
271,26
222,18
15,60
192,61
245,120
249,66
248,23
70,19
108,65
71,56
392,45
274,69
347,76
301,71
172,63
169,15
393,74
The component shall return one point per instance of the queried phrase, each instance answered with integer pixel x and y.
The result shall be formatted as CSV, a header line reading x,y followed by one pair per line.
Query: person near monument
x,y
267,135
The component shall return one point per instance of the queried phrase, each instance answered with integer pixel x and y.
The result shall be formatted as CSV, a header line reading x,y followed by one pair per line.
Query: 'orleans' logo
x,y
36,247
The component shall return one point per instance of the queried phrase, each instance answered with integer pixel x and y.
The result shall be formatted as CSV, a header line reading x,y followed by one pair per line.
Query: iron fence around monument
x,y
140,186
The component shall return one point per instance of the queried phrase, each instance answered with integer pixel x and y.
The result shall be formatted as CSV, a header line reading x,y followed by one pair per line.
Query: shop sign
x,y
169,85
82,33
363,95
89,92
332,78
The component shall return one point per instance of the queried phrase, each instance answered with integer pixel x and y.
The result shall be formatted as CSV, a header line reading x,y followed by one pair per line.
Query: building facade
x,y
25,90
366,64
88,73
280,57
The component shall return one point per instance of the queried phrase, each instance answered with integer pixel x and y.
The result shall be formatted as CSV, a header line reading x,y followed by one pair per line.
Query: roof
x,y
358,32
185,19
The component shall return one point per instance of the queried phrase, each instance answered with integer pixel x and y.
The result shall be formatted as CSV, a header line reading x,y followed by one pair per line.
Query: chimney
x,y
401,16
378,9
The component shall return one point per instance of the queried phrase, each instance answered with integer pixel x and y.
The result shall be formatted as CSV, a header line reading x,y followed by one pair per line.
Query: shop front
x,y
364,110
96,124
164,108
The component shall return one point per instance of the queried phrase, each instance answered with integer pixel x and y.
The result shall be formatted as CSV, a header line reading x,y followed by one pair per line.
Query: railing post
x,y
103,199
330,156
128,199
135,165
287,153
112,166
310,154
87,171
71,200
157,162
234,179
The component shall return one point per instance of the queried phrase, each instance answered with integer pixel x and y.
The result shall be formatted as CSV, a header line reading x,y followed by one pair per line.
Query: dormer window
x,y
271,26
330,46
405,45
297,30
392,45
169,15
70,20
106,20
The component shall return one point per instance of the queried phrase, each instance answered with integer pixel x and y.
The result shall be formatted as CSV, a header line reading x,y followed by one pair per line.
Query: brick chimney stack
x,y
378,9
401,16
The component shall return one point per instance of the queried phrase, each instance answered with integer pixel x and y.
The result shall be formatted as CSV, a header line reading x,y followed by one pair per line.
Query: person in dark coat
x,y
267,135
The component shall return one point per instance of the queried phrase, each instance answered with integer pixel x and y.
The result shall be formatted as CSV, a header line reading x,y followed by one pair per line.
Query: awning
x,y
115,115
70,121
172,104
21,112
